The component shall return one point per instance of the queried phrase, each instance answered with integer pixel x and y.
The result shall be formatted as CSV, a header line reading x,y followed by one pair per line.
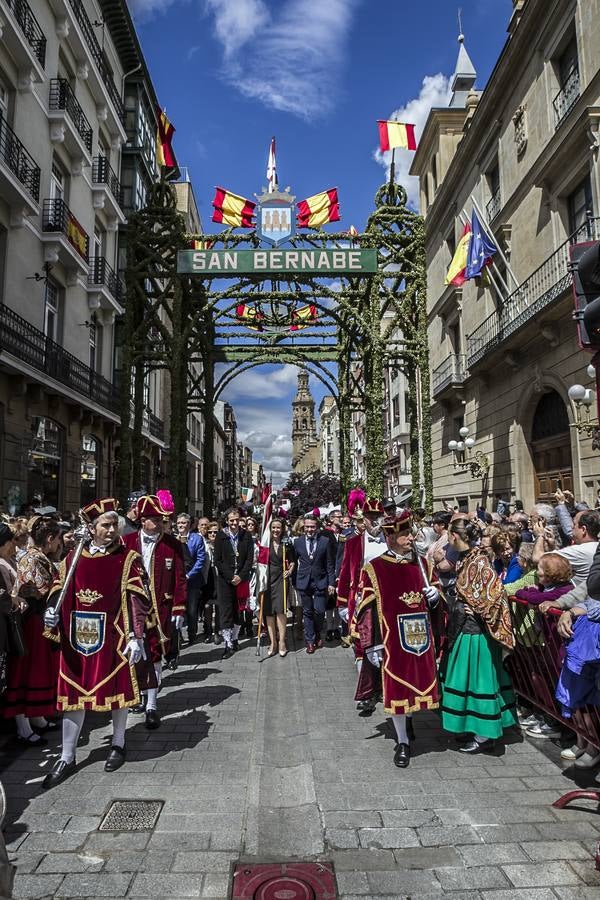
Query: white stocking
x,y
358,665
38,721
119,721
400,726
235,632
152,694
71,729
24,728
158,671
227,636
480,738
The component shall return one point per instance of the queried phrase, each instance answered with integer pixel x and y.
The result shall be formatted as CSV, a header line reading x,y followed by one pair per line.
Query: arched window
x,y
90,468
44,463
551,446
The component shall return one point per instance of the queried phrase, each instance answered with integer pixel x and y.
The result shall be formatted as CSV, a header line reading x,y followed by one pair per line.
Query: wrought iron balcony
x,y
57,217
97,55
103,173
493,206
102,274
30,27
451,373
31,346
14,155
62,96
567,97
543,288
156,426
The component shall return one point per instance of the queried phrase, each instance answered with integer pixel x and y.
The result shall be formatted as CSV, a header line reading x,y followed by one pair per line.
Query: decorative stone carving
x,y
98,199
116,142
71,277
101,112
17,216
62,28
520,123
25,81
77,167
550,334
57,132
538,379
83,71
51,253
94,301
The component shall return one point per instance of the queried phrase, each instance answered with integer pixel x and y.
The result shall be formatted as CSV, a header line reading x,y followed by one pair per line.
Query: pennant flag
x,y
303,316
232,210
164,151
201,244
319,209
456,273
481,248
262,567
250,316
396,134
272,169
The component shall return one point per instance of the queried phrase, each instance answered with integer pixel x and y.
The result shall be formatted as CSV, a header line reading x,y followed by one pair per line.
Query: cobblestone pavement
x,y
267,760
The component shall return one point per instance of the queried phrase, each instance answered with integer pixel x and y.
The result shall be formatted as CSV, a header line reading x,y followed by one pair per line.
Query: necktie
x,y
93,550
149,540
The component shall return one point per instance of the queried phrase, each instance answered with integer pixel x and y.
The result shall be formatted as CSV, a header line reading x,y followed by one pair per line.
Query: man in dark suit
x,y
233,558
315,579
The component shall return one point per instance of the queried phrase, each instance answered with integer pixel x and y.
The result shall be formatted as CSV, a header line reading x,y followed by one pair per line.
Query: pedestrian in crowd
x,y
233,559
247,626
315,579
275,603
30,697
580,554
193,543
505,547
333,529
162,557
295,599
477,695
209,597
8,603
394,629
100,623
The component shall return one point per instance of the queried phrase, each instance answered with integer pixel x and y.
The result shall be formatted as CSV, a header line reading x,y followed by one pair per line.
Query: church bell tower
x,y
304,426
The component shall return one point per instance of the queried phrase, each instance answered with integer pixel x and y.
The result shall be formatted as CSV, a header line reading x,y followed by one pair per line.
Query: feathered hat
x,y
165,498
356,498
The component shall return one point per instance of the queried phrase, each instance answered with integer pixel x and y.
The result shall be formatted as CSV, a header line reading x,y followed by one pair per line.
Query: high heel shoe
x,y
272,652
283,653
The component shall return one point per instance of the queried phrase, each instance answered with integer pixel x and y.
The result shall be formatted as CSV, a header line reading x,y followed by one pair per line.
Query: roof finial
x,y
461,36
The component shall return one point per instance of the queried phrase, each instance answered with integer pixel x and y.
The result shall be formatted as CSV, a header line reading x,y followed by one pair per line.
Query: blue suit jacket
x,y
316,574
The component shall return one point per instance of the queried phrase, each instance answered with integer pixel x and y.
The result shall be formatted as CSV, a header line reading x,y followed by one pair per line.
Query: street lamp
x,y
583,398
462,451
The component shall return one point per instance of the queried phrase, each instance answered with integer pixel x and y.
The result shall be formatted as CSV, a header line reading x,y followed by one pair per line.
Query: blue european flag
x,y
481,248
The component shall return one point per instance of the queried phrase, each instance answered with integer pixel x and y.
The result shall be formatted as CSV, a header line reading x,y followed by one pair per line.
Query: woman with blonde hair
x,y
477,694
281,565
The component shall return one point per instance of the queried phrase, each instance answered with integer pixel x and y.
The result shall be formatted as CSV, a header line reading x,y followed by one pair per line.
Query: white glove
x,y
177,622
375,657
252,604
51,617
135,651
432,595
343,613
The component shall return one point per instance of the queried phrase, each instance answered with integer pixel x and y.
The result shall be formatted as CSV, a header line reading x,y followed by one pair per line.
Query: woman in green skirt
x,y
477,694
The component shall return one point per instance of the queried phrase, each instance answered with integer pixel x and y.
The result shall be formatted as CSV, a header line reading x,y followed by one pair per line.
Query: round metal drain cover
x,y
284,881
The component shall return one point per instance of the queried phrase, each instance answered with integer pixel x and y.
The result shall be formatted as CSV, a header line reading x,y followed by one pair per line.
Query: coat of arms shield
x,y
415,633
88,630
275,220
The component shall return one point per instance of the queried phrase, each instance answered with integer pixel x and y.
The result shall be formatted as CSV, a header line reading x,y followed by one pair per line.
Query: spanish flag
x,y
232,210
396,134
250,316
201,244
164,151
319,209
303,316
457,270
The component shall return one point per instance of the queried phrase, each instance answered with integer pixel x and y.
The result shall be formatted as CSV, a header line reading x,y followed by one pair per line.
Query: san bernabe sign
x,y
280,262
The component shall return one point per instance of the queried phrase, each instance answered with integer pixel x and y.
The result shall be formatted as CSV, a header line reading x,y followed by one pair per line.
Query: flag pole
x,y
393,167
482,220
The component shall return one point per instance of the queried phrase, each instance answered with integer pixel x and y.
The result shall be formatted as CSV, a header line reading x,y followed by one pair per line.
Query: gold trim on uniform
x,y
87,597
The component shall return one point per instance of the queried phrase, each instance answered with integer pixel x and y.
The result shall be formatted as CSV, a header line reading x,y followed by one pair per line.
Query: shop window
x,y
90,468
44,466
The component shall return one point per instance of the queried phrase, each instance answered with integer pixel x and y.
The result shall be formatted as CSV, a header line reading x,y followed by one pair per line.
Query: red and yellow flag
x,y
164,151
319,209
232,210
201,244
303,316
457,269
250,316
396,134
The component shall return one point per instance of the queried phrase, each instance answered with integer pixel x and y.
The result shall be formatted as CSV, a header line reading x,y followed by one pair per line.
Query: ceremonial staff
x,y
283,543
260,619
84,537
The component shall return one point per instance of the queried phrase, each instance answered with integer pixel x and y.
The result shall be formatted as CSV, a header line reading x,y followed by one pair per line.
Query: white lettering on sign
x,y
291,259
199,262
323,260
354,259
339,259
307,259
276,259
230,261
260,259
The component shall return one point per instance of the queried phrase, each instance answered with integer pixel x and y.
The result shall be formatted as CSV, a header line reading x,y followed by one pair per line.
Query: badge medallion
x,y
275,219
88,631
415,633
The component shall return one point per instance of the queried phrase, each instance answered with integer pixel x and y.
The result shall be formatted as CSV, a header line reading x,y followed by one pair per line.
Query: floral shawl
x,y
35,574
481,589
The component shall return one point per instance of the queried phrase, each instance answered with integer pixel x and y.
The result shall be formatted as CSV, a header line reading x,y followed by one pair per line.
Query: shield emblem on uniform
x,y
415,633
88,631
275,219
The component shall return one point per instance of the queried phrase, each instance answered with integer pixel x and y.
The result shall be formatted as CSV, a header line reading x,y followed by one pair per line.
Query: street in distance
x,y
309,262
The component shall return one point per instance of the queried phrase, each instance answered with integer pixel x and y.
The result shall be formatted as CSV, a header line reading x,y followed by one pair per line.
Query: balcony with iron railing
x,y
156,426
451,373
23,176
537,293
28,34
102,275
63,100
32,347
57,219
107,191
567,97
103,173
493,205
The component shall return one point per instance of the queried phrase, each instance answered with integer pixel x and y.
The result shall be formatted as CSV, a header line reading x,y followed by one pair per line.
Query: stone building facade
x,y
525,150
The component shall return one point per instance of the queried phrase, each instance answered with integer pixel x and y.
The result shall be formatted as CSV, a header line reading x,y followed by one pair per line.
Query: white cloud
x,y
435,91
295,65
145,9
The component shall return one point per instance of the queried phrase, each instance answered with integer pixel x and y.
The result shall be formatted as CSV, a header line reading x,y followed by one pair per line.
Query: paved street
x,y
268,761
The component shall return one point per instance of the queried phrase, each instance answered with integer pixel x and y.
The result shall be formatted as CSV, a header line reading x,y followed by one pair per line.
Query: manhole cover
x,y
131,815
285,881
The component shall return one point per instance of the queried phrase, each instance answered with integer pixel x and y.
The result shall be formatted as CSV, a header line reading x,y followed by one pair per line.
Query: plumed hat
x,y
165,498
150,507
400,522
97,508
356,498
357,515
372,506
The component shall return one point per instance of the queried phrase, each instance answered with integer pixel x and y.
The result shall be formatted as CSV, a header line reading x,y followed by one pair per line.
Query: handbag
x,y
16,638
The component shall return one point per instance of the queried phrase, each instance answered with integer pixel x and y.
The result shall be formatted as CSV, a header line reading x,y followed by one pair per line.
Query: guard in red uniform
x,y
162,556
100,628
394,627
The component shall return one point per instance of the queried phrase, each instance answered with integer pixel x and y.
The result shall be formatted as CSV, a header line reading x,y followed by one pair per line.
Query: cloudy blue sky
x,y
317,74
